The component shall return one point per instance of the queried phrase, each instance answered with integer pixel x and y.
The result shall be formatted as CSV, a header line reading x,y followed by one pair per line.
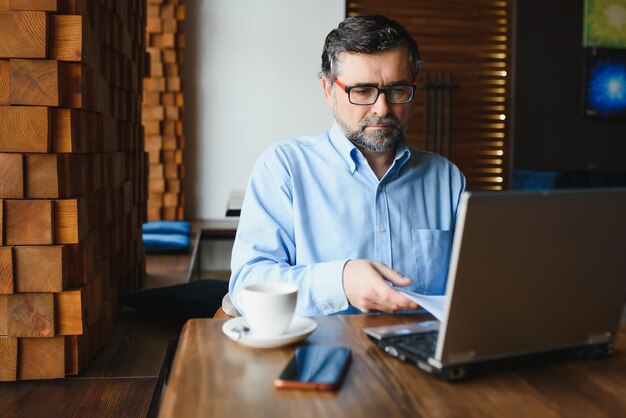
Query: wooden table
x,y
215,377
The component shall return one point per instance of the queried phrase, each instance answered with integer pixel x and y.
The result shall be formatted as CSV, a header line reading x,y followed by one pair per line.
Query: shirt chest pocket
x,y
431,250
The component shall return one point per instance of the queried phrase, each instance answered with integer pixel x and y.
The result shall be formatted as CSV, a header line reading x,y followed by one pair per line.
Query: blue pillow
x,y
167,227
166,243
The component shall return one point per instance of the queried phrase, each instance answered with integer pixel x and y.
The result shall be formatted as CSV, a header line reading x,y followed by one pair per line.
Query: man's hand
x,y
366,289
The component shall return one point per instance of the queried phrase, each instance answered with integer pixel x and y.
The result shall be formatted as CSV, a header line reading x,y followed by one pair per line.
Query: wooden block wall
x,y
163,108
73,178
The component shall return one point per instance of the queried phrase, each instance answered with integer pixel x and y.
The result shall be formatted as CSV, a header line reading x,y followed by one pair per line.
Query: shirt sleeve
x,y
457,186
265,245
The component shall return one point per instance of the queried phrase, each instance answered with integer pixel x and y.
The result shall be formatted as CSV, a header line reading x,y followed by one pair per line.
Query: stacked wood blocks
x,y
163,109
72,178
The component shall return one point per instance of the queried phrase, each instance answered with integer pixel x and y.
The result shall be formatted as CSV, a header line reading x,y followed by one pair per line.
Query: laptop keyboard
x,y
421,345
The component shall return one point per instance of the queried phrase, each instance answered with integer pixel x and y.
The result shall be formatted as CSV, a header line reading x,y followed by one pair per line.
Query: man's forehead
x,y
396,59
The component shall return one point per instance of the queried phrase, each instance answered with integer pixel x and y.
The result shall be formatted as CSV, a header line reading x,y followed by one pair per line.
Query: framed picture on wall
x,y
605,83
604,23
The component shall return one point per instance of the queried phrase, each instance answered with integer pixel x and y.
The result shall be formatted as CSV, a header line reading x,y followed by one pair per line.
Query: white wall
x,y
250,80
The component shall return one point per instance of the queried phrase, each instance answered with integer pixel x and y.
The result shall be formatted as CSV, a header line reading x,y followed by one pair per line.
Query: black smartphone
x,y
315,367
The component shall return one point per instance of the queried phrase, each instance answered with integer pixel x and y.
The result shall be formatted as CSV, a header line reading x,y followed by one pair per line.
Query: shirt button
x,y
382,228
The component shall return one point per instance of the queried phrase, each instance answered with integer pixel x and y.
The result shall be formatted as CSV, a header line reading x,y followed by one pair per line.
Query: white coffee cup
x,y
268,307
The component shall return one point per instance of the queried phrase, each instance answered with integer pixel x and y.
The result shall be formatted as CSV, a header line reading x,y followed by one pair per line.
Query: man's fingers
x,y
401,303
391,275
390,300
366,285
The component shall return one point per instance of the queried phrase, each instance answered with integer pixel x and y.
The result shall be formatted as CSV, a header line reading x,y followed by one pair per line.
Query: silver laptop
x,y
533,276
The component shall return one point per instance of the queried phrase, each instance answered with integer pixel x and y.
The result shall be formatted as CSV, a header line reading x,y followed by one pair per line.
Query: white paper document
x,y
433,304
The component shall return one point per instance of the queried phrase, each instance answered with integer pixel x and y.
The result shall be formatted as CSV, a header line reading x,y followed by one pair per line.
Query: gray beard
x,y
377,141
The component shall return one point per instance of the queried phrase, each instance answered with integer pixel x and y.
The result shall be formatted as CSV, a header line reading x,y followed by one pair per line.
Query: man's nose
x,y
380,107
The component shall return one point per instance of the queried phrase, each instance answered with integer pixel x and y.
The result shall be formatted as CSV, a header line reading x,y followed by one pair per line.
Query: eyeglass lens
x,y
368,94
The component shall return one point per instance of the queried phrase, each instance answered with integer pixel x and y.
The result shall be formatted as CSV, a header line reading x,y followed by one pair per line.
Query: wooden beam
x,y
173,186
5,91
11,176
154,25
54,175
153,113
2,239
24,129
154,143
7,275
170,213
156,185
66,130
30,315
41,268
154,85
80,262
72,355
69,221
66,37
3,315
170,199
49,83
42,175
156,171
23,34
96,291
28,222
45,5
173,84
69,315
172,171
181,12
74,89
41,358
35,82
171,143
8,358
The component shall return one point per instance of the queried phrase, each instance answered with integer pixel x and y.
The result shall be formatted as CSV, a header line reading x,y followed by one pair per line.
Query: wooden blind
x,y
462,107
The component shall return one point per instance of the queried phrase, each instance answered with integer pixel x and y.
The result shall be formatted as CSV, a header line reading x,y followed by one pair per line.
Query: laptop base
x,y
455,373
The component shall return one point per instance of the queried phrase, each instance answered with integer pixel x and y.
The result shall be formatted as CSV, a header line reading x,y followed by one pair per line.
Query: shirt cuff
x,y
327,287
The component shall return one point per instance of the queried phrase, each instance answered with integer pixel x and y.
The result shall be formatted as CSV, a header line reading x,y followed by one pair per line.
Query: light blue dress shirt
x,y
313,203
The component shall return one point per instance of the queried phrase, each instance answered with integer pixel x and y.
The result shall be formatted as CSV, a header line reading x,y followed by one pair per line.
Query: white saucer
x,y
299,329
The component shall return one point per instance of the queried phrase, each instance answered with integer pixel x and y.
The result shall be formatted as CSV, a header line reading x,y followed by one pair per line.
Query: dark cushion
x,y
197,299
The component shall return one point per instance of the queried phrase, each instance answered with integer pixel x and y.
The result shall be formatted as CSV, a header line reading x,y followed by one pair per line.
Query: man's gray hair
x,y
366,34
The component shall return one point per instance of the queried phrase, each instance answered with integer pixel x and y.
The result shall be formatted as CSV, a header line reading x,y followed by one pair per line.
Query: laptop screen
x,y
532,272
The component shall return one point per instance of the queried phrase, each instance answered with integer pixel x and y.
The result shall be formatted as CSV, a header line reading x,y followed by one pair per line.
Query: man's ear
x,y
328,92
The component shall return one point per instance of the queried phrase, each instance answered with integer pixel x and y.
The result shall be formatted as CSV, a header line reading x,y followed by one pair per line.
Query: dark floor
x,y
121,381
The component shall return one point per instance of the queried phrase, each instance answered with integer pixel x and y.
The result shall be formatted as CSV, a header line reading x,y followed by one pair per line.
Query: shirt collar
x,y
349,152
346,149
403,153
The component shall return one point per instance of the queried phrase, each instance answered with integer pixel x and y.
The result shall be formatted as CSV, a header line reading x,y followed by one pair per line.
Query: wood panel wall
x,y
163,107
469,41
72,178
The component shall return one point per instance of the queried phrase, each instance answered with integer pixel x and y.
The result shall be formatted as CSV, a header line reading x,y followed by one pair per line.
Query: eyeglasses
x,y
367,95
